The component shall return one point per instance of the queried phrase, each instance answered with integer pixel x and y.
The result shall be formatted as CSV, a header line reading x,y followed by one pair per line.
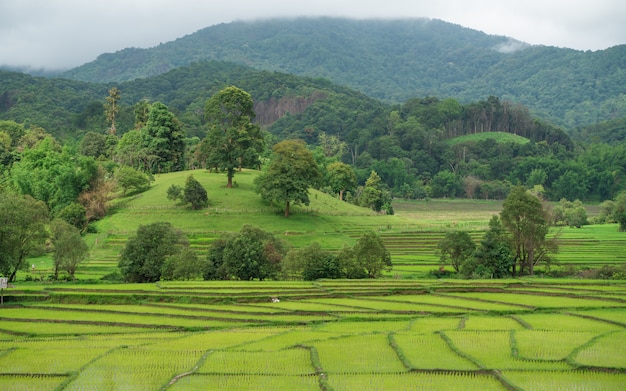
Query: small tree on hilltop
x,y
291,173
232,139
195,194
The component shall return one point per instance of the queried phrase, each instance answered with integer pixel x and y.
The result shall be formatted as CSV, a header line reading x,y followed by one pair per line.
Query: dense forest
x,y
424,147
396,60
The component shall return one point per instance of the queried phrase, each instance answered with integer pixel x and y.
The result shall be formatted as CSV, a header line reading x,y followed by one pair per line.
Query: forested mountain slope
x,y
394,60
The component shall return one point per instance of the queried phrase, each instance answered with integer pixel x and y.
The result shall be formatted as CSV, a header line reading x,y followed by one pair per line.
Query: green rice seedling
x,y
376,317
427,325
62,329
382,326
82,342
135,369
35,382
216,339
564,322
49,361
245,382
300,336
475,322
390,305
226,308
542,301
414,381
284,362
618,316
566,380
358,354
430,351
301,306
112,318
137,339
462,304
493,350
548,344
608,351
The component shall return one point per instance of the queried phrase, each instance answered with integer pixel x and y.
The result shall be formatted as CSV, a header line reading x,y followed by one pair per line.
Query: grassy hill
x,y
326,219
500,137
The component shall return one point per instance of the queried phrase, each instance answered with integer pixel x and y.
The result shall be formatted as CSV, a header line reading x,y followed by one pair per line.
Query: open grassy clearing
x,y
353,339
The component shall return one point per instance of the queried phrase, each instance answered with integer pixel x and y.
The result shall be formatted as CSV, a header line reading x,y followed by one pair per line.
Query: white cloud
x,y
67,33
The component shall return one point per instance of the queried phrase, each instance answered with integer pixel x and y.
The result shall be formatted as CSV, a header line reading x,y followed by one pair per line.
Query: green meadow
x,y
404,331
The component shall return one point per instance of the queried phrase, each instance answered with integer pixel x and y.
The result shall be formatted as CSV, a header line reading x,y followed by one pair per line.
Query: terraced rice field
x,y
327,335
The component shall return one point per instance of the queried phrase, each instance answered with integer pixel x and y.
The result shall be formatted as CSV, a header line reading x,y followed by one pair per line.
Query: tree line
x,y
158,251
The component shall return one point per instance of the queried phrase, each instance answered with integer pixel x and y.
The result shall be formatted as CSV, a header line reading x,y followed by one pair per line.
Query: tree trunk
x,y
287,209
341,195
12,276
230,174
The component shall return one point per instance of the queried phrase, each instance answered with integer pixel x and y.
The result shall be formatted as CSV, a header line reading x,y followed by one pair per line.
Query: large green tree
x,y
619,213
455,249
163,136
69,247
248,254
527,223
493,258
233,141
145,253
128,178
292,171
371,255
341,177
22,231
318,263
53,174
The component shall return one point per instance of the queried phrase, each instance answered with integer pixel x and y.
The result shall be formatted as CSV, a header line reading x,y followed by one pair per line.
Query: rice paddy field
x,y
326,335
401,332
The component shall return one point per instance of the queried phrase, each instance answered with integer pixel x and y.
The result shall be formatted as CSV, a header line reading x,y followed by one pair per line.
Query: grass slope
x,y
500,137
326,219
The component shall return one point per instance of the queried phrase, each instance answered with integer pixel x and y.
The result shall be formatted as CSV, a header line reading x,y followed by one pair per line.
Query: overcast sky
x,y
58,34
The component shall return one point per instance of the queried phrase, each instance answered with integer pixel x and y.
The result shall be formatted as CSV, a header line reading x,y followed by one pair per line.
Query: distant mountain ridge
x,y
394,60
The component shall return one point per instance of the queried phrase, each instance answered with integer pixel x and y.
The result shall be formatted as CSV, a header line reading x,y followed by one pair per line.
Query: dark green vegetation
x,y
408,145
326,335
394,60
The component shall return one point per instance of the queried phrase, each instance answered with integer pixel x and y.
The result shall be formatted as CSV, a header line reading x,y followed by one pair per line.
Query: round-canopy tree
x,y
290,174
145,253
233,141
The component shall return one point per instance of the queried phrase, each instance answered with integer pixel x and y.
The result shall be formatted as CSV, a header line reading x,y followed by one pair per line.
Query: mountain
x,y
394,60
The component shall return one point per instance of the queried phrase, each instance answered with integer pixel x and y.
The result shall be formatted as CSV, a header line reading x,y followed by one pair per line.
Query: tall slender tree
x,y
22,231
232,139
111,108
527,222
